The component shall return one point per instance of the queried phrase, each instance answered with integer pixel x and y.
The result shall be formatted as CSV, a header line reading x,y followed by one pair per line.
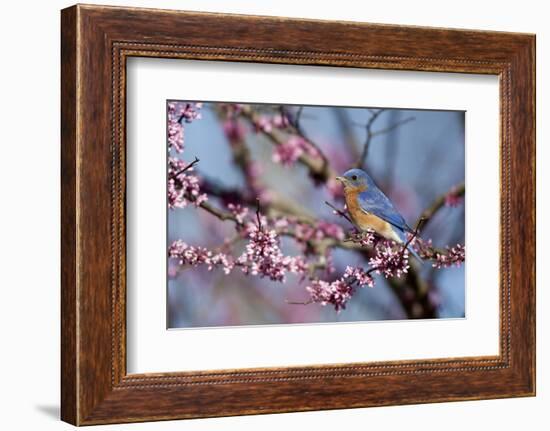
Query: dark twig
x,y
299,112
346,128
373,133
310,301
412,237
222,215
189,166
339,212
258,216
392,127
368,128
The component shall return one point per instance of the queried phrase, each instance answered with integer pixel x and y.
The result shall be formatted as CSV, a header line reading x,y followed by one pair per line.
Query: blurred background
x,y
415,157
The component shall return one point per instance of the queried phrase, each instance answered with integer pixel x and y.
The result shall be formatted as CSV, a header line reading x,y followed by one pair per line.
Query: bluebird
x,y
370,208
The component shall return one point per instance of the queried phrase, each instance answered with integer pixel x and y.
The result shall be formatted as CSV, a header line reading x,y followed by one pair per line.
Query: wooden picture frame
x,y
95,43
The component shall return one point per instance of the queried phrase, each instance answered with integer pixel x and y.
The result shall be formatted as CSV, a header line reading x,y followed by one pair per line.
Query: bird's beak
x,y
341,179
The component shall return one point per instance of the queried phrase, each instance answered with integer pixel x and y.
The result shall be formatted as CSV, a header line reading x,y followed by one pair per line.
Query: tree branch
x,y
319,169
370,134
368,128
189,166
339,212
439,202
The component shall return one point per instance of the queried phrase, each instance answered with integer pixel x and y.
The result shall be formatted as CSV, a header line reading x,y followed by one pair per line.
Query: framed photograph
x,y
259,216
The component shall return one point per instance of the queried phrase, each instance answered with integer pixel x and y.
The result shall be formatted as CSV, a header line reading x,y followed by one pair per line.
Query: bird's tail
x,y
415,254
410,249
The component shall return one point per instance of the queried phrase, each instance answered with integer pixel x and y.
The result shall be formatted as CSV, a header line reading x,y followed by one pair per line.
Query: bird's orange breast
x,y
364,220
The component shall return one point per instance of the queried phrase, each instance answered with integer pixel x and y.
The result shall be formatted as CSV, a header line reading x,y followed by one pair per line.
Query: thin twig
x,y
412,237
393,126
370,134
339,212
368,128
258,216
189,166
346,128
222,215
310,301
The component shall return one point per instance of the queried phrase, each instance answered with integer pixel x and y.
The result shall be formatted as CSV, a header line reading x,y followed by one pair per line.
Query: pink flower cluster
x,y
339,291
452,199
239,212
186,254
359,275
262,256
336,293
365,239
305,232
390,259
234,130
288,152
182,187
264,123
178,113
455,256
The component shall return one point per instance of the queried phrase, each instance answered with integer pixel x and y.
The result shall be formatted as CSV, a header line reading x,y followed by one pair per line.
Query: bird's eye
x,y
354,177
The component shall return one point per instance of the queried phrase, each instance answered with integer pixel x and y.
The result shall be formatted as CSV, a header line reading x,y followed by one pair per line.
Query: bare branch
x,y
222,215
458,191
258,215
370,133
393,126
310,301
374,114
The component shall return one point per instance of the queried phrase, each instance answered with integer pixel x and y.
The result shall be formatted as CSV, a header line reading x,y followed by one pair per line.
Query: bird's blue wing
x,y
375,202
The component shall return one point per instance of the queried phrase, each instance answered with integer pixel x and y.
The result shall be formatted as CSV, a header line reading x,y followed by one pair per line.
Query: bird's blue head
x,y
356,179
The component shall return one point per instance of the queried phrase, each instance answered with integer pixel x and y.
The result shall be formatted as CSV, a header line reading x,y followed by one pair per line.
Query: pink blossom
x,y
185,254
188,255
182,187
455,256
238,211
304,232
175,136
336,293
178,112
263,256
280,121
331,230
234,130
359,275
390,259
232,109
288,152
189,112
453,199
263,124
339,291
423,247
253,172
281,223
365,239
